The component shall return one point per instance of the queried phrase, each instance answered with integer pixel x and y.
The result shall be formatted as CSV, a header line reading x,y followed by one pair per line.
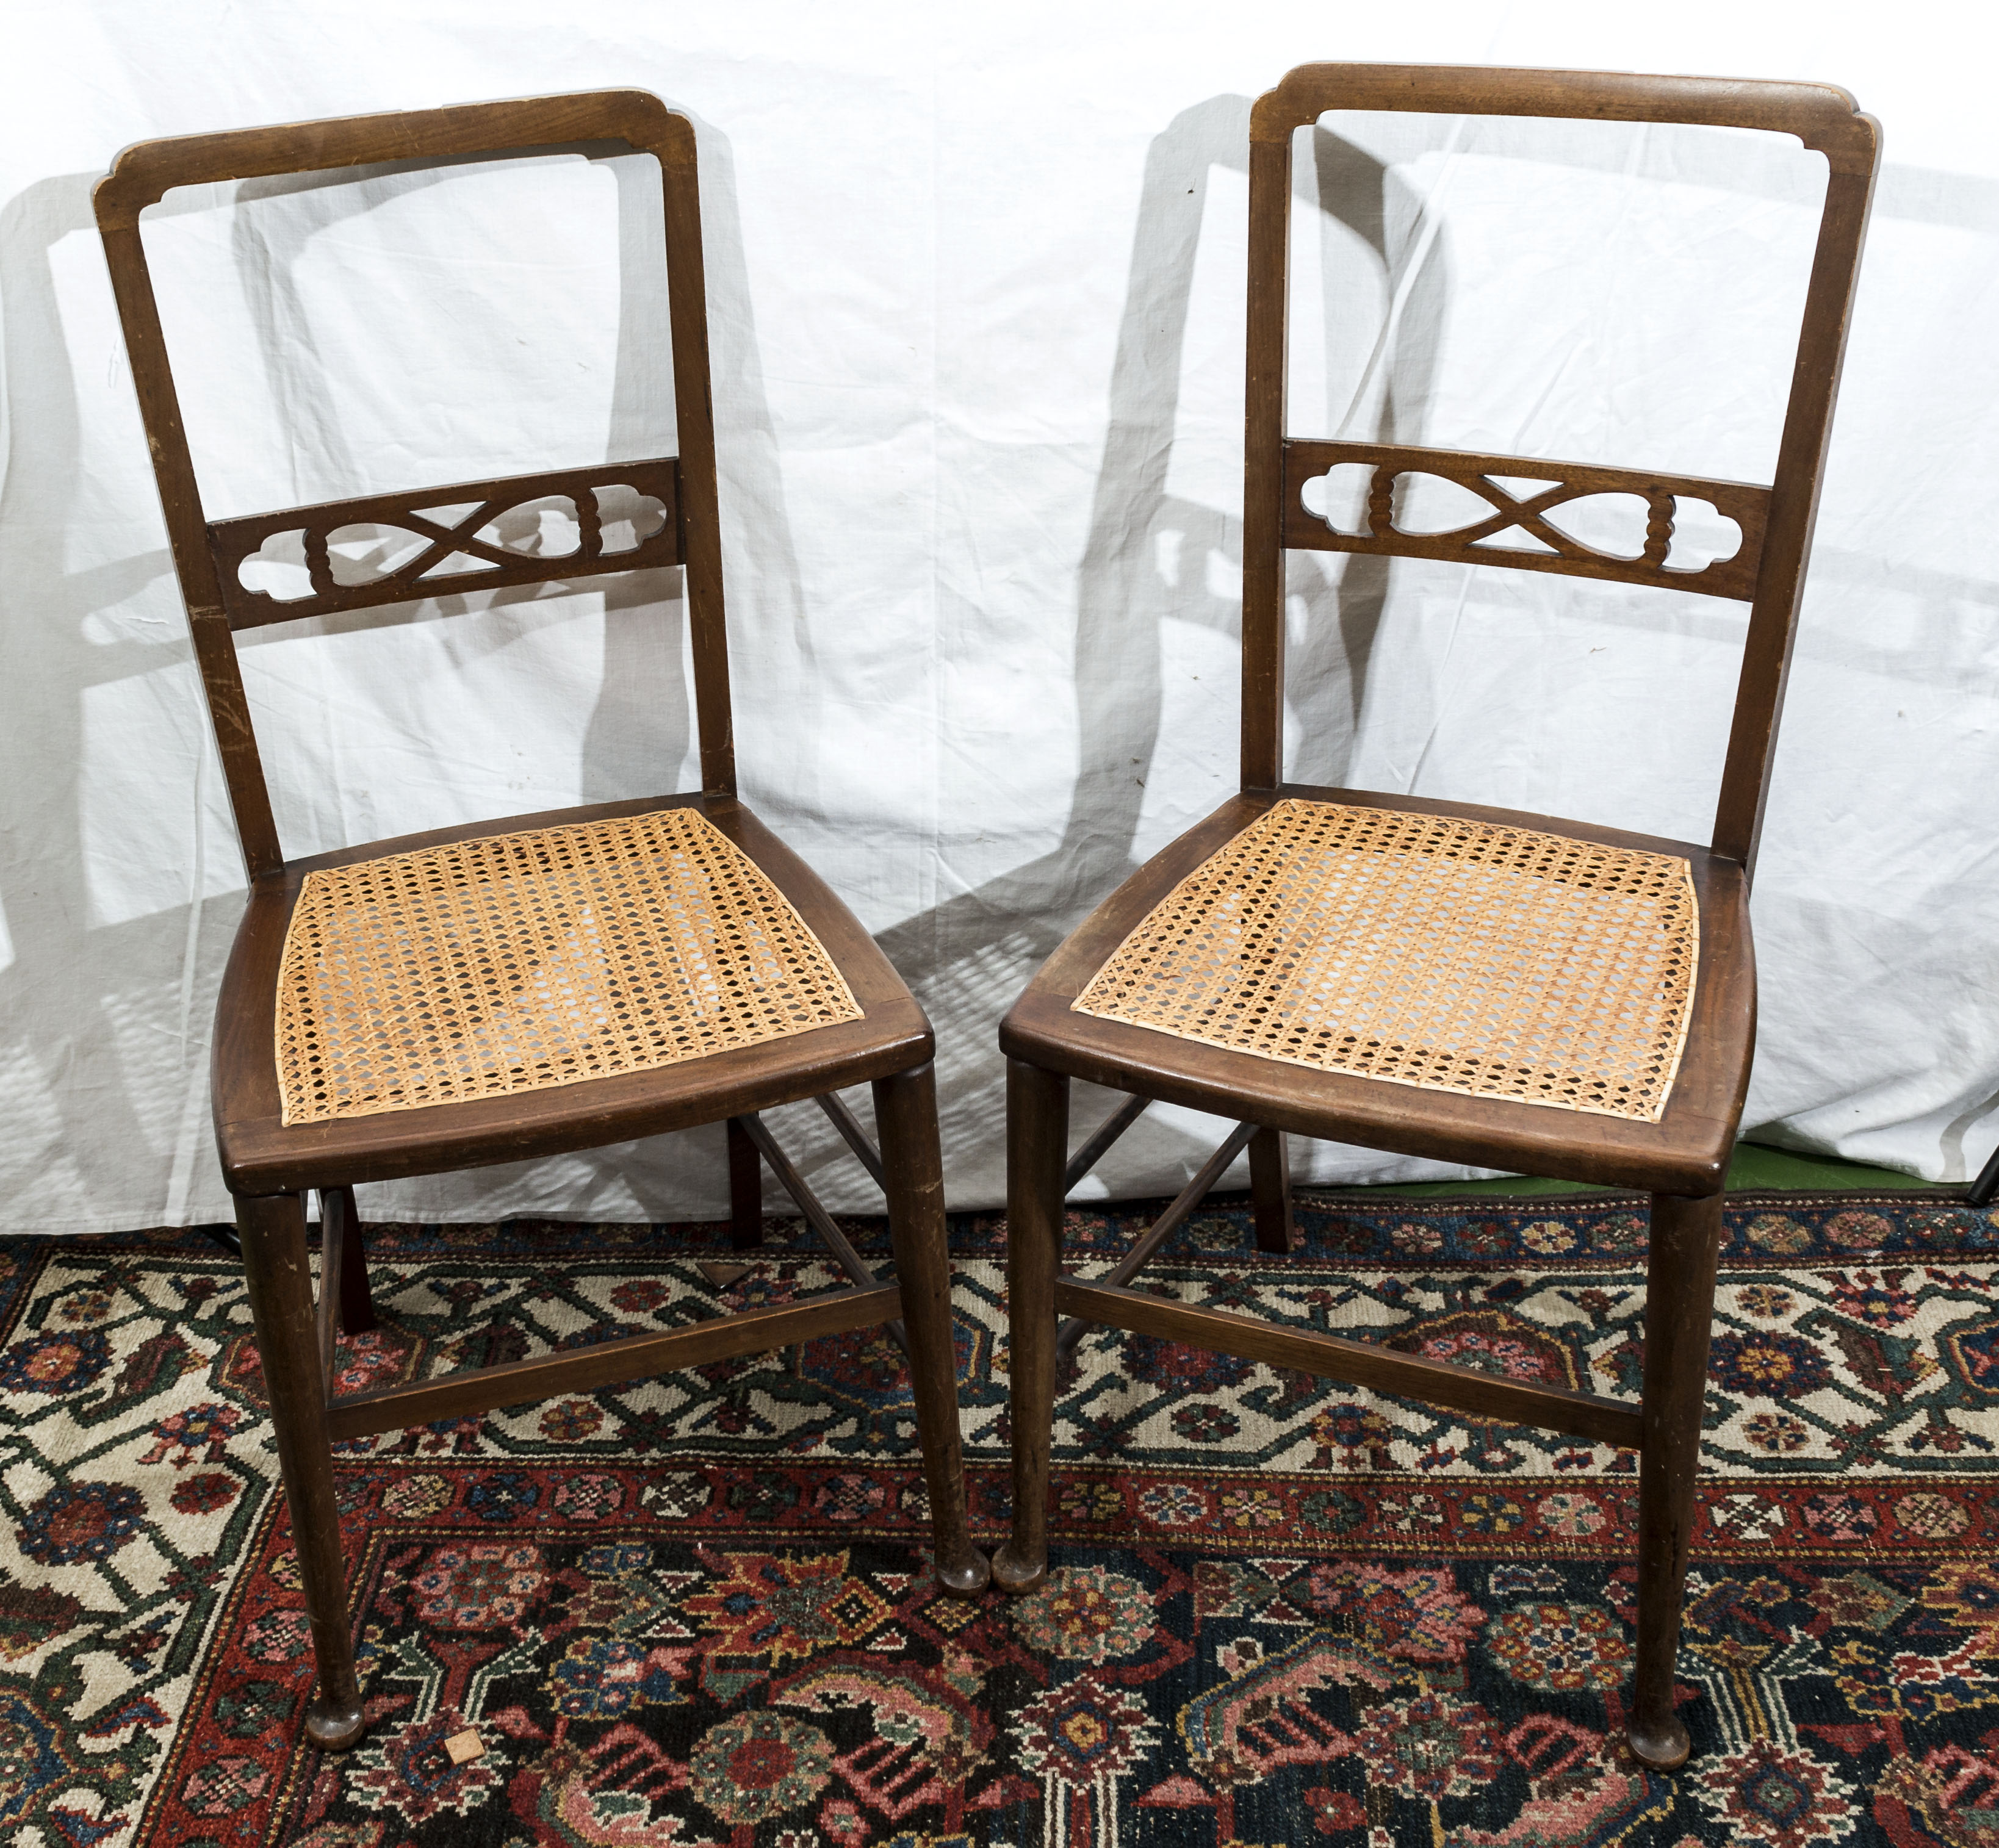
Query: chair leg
x,y
905,1114
1680,1316
1037,1140
276,1269
341,1221
746,1190
1271,1189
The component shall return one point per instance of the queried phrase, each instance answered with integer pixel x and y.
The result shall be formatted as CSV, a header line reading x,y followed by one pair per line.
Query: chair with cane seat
x,y
546,983
1504,989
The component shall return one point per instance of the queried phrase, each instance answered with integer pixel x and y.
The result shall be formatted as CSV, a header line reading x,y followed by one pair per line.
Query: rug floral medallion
x,y
697,1611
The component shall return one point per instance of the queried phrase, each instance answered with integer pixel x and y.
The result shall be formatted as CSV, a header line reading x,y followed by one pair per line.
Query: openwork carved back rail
x,y
1553,484
453,553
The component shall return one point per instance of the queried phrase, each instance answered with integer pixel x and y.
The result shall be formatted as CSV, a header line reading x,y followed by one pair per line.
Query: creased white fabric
x,y
976,291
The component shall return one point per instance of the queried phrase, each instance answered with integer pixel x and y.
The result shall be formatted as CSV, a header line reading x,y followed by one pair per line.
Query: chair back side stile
x,y
1768,569
207,554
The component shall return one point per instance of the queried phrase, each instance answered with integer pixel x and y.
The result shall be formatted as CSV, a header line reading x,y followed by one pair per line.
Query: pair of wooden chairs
x,y
1503,988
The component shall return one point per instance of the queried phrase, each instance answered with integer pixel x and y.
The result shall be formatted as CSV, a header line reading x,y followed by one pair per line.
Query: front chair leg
x,y
906,1113
1036,1148
276,1268
1679,1315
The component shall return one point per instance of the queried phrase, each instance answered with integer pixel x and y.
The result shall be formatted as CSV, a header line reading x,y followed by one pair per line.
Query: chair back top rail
x,y
1768,565
144,172
207,557
1823,116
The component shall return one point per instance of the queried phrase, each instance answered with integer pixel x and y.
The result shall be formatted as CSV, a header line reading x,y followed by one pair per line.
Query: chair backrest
x,y
1768,569
208,555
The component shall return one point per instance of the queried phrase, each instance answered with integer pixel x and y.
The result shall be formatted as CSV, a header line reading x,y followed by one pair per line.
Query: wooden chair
x,y
548,982
1468,983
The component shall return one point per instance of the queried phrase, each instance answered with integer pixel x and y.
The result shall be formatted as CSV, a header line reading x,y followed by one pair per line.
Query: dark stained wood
x,y
1823,116
340,1226
700,510
1682,1159
1101,1139
1263,467
276,1270
912,1160
1766,656
236,540
1679,1316
1198,1187
1480,1395
853,1135
194,561
1735,576
268,1165
1036,1134
476,1390
325,1308
1981,1192
146,171
745,1189
1270,1191
816,1215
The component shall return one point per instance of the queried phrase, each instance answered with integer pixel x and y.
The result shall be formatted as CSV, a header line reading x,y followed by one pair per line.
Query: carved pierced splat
x,y
1519,509
434,541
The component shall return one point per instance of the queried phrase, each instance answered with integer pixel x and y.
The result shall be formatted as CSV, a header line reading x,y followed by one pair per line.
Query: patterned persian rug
x,y
696,1611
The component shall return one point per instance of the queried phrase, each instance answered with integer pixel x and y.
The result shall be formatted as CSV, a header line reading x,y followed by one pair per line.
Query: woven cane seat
x,y
515,962
1424,949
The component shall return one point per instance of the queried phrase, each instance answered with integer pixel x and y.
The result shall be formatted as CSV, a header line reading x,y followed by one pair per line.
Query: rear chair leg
x,y
1679,1315
340,1224
1271,1189
746,1190
905,1114
276,1267
1037,1142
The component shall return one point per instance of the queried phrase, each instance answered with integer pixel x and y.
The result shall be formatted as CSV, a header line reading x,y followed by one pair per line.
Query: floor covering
x,y
696,1611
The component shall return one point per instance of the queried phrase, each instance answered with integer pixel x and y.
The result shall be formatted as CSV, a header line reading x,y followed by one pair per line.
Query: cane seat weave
x,y
515,962
1424,949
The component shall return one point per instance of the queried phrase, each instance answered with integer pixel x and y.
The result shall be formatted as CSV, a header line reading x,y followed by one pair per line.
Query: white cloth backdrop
x,y
976,284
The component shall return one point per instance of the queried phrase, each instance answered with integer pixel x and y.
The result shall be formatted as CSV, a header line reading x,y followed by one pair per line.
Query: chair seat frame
x,y
1681,1159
